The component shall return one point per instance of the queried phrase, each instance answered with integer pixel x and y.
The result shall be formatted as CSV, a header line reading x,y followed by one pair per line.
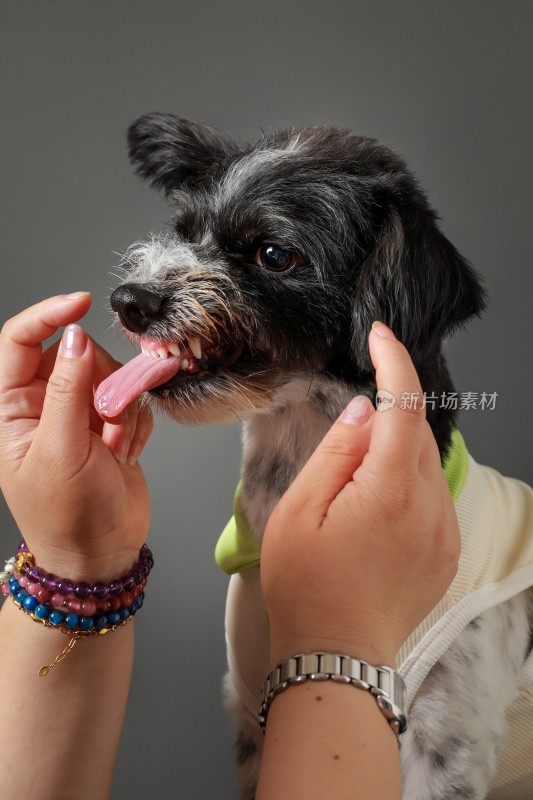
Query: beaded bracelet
x,y
75,628
80,597
72,604
78,617
25,564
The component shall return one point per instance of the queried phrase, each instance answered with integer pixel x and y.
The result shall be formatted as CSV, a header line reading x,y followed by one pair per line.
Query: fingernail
x,y
75,295
383,331
73,342
357,411
121,450
135,452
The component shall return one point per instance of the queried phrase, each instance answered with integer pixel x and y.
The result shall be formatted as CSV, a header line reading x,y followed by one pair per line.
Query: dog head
x,y
279,258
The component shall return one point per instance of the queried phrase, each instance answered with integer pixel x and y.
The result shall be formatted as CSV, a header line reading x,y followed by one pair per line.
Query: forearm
x,y
60,733
328,740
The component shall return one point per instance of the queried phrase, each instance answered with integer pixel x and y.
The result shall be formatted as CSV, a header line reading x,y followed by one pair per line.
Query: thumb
x,y
64,424
334,462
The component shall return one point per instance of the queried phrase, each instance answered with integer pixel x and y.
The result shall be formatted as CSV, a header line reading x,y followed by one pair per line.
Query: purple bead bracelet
x,y
81,590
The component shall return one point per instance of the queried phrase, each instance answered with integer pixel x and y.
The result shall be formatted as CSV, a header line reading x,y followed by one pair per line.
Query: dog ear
x,y
172,152
417,283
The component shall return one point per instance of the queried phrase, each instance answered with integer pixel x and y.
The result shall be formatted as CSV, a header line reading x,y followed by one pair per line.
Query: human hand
x,y
82,511
366,541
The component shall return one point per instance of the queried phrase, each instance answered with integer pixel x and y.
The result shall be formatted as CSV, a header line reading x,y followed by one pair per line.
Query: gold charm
x,y
24,562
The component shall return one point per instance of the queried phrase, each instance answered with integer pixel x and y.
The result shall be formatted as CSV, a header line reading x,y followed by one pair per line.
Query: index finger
x,y
21,336
398,429
105,364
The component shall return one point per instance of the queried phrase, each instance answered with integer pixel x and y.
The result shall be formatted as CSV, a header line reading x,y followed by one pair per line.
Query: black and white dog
x,y
256,307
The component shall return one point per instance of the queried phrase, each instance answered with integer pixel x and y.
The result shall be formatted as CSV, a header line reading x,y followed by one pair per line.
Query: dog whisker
x,y
236,384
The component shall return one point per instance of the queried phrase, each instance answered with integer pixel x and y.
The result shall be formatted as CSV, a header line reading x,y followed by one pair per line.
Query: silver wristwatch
x,y
383,682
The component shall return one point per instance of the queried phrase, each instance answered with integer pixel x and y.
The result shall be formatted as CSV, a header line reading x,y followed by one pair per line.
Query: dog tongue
x,y
130,381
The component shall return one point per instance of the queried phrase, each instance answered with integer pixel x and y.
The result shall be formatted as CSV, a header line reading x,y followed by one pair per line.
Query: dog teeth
x,y
153,349
185,364
196,347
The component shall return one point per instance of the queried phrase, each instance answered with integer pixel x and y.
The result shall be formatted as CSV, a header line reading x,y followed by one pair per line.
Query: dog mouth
x,y
195,360
162,366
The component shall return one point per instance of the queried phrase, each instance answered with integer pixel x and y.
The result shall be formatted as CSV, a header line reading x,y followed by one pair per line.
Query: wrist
x,y
384,683
322,740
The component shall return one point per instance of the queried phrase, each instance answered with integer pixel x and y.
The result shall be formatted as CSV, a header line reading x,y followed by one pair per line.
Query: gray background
x,y
446,84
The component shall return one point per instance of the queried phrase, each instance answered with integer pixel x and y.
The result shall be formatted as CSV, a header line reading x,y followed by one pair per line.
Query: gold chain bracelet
x,y
74,635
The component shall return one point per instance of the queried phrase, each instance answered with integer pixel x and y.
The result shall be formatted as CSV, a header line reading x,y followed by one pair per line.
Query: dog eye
x,y
276,258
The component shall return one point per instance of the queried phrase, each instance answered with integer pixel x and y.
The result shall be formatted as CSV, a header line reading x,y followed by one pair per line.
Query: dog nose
x,y
137,307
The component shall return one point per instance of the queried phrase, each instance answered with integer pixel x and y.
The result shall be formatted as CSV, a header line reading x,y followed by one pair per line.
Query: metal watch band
x,y
383,682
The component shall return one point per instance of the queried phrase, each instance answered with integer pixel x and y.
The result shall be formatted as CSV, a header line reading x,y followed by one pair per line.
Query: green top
x,y
237,548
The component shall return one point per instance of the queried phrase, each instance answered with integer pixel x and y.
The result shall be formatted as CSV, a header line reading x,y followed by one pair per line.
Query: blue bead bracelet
x,y
76,626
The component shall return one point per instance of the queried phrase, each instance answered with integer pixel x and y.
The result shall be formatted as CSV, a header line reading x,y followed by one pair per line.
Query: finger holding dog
x,y
401,437
27,369
86,507
399,430
22,386
125,435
